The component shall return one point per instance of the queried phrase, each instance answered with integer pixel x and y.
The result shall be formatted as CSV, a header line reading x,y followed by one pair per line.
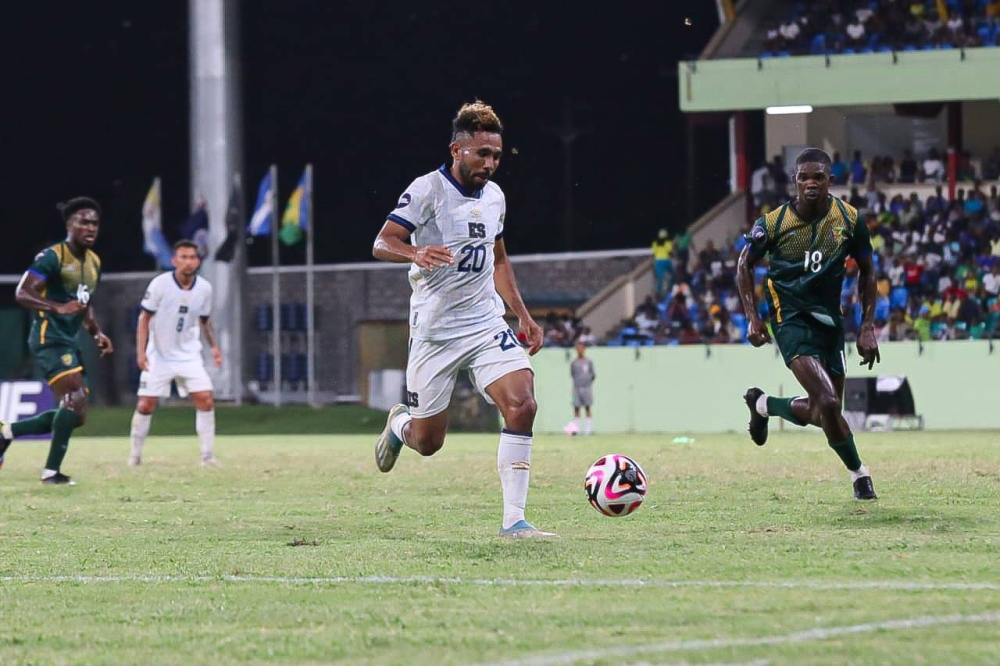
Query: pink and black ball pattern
x,y
615,485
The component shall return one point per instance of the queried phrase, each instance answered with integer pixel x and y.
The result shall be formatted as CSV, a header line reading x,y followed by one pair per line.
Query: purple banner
x,y
23,400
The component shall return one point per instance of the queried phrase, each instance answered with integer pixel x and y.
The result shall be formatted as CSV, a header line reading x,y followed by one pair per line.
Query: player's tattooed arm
x,y
392,244
209,333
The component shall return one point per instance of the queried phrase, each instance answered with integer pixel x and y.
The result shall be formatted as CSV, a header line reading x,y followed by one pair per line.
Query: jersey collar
x,y
180,286
829,200
446,172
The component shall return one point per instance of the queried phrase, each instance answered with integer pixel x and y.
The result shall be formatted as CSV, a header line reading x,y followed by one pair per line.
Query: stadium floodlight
x,y
784,110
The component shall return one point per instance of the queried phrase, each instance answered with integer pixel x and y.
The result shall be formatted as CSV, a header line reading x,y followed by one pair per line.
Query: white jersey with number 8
x,y
174,331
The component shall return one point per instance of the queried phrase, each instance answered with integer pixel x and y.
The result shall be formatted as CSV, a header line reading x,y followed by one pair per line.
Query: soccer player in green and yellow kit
x,y
808,241
58,287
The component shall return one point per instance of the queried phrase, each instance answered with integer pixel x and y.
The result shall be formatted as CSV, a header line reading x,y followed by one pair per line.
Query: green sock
x,y
62,427
848,453
36,425
782,408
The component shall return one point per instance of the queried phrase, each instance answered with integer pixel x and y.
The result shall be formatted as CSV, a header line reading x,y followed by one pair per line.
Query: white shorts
x,y
190,376
432,367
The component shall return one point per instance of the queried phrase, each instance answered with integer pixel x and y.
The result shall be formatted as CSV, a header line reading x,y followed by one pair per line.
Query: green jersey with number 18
x,y
807,259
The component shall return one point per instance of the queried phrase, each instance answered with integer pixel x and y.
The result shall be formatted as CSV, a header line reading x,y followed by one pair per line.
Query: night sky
x,y
96,103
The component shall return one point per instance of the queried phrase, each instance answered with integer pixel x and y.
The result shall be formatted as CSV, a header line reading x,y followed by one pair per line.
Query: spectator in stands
x,y
932,26
688,335
772,38
855,32
991,281
908,168
790,32
856,199
586,337
780,178
677,310
682,253
933,167
762,186
955,28
991,165
966,169
663,264
858,170
840,171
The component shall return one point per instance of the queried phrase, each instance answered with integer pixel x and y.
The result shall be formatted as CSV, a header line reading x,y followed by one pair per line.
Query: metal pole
x,y
310,286
275,288
216,154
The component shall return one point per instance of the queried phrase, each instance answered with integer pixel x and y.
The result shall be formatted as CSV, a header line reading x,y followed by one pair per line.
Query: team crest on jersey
x,y
839,234
404,201
67,359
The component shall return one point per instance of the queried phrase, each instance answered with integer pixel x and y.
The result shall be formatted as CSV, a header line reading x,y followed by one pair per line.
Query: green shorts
x,y
804,336
55,361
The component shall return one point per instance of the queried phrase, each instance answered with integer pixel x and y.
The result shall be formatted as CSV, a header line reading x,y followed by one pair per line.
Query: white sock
x,y
5,431
859,472
204,425
514,465
589,427
762,405
398,423
48,473
140,430
576,423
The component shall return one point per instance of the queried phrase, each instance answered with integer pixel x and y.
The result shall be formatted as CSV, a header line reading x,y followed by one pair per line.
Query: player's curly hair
x,y
475,117
68,208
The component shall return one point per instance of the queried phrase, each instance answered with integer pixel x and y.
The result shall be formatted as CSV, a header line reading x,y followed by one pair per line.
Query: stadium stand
x,y
846,27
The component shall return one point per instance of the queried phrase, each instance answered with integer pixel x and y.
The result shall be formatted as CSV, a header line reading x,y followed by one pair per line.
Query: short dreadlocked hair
x,y
68,208
475,117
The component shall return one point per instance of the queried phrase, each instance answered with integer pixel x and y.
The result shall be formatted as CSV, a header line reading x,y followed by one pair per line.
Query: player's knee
x,y
427,444
204,403
522,412
828,405
146,406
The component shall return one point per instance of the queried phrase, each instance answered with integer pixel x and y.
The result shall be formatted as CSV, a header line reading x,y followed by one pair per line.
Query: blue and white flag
x,y
154,243
195,228
262,219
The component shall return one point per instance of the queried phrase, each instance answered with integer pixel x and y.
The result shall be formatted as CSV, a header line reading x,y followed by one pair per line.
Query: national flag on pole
x,y
154,243
195,228
234,222
260,221
295,221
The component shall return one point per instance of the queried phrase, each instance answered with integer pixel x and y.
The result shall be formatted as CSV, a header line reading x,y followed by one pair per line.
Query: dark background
x,y
96,103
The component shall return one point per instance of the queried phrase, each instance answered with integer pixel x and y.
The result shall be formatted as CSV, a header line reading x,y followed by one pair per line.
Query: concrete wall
x,y
700,388
346,295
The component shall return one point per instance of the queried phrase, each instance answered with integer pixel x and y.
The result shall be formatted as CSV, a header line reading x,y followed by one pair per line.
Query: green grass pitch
x,y
297,550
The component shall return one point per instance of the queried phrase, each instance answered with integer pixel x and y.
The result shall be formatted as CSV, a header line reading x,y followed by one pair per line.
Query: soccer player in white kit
x,y
449,225
174,315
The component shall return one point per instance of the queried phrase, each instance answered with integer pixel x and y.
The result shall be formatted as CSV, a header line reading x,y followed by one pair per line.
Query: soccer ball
x,y
615,485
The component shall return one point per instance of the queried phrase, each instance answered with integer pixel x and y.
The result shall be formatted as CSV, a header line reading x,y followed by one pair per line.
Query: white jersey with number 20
x,y
461,299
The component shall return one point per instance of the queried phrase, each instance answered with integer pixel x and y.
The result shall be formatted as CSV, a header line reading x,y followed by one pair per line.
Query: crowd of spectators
x,y
937,262
865,26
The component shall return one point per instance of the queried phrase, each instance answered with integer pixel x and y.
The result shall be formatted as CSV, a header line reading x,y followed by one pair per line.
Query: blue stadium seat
x,y
765,54
818,45
928,47
909,47
885,48
946,46
613,343
265,367
784,54
262,317
847,51
867,49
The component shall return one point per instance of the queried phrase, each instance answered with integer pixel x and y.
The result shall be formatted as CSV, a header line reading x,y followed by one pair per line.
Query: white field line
x,y
507,582
809,635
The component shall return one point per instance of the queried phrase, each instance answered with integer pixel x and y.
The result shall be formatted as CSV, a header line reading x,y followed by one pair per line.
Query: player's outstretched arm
x,y
756,329
392,244
506,286
868,290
